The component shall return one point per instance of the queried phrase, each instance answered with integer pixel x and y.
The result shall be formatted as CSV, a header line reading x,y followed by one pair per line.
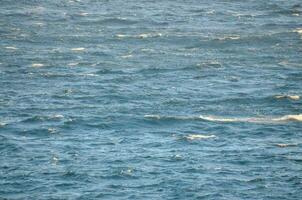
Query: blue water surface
x,y
116,99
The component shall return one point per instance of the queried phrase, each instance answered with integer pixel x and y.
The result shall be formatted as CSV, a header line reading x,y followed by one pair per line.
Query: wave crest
x,y
284,118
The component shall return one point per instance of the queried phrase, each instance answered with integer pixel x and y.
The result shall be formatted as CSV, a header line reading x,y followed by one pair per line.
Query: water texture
x,y
153,99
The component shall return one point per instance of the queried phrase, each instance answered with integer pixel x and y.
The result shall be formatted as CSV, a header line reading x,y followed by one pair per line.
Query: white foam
x,y
298,30
121,36
255,119
127,56
231,120
147,35
218,119
153,116
38,23
289,118
73,64
198,136
230,37
286,145
90,74
58,116
78,49
292,97
51,130
11,48
83,14
37,65
2,124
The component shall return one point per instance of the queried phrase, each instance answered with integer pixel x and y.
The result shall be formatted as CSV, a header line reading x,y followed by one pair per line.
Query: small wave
x,y
11,48
38,23
218,119
118,21
254,119
289,118
158,117
83,14
223,119
78,49
298,30
148,35
198,136
282,145
213,63
230,37
58,116
292,97
73,64
127,56
121,36
140,36
2,124
52,130
89,74
43,118
37,65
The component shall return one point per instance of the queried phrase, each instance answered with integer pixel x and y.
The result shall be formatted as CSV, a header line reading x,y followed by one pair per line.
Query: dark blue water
x,y
150,99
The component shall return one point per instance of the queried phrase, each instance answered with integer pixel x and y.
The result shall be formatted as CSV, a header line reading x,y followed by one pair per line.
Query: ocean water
x,y
112,99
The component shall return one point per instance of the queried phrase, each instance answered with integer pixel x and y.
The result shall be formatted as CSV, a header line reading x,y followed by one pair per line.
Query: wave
x,y
37,65
11,48
298,30
229,37
198,137
55,117
282,145
284,118
140,36
292,97
2,124
78,49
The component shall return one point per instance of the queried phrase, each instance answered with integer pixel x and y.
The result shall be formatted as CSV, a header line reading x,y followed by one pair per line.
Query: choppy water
x,y
150,99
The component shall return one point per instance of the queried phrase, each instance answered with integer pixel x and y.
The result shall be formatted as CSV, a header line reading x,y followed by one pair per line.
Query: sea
x,y
150,99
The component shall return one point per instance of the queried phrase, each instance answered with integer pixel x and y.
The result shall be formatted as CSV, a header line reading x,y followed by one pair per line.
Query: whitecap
x,y
58,116
230,120
78,49
230,37
83,14
212,63
38,23
147,35
2,124
298,30
37,65
198,136
11,48
127,56
286,145
153,116
254,119
121,35
292,97
73,64
51,130
90,75
289,118
218,119
147,50
158,117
